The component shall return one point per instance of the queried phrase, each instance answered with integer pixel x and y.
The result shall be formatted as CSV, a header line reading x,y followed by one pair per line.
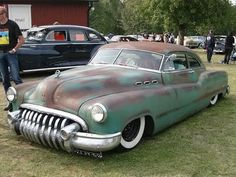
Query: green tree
x,y
106,16
137,17
181,15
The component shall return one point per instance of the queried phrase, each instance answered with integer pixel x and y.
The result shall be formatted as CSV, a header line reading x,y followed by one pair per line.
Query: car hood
x,y
68,90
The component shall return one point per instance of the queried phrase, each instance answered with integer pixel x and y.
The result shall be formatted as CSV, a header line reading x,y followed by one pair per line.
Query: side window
x,y
94,37
77,35
169,64
57,35
176,61
193,62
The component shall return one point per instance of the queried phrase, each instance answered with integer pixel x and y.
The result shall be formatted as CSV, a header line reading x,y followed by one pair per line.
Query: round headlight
x,y
98,112
11,94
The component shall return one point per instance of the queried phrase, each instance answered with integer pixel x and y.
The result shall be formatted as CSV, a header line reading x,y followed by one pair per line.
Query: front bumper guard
x,y
92,142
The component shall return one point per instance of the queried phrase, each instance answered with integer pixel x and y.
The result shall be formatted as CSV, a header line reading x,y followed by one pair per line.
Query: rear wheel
x,y
132,133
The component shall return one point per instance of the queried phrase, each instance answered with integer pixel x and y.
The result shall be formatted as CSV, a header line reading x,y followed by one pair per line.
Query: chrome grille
x,y
43,128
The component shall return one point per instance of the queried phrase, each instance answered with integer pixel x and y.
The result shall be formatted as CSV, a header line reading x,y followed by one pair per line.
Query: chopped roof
x,y
158,47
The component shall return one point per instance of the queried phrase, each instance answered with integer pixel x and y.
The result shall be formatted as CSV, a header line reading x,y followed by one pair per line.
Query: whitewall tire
x,y
214,100
132,133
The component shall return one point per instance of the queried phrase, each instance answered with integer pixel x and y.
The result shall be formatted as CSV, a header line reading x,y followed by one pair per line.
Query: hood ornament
x,y
58,73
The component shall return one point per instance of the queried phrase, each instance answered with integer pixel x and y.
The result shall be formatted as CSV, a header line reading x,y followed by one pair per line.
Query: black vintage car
x,y
220,44
58,46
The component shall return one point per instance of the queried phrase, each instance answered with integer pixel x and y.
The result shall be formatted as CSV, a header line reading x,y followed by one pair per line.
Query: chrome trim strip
x,y
130,67
63,42
55,112
49,69
94,142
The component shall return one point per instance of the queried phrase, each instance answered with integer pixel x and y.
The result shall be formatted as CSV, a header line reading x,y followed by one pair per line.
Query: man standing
x,y
210,44
228,47
11,39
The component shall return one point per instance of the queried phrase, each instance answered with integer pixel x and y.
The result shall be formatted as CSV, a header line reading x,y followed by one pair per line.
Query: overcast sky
x,y
234,2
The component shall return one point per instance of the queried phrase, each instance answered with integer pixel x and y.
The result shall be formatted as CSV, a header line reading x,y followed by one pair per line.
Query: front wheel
x,y
214,100
132,133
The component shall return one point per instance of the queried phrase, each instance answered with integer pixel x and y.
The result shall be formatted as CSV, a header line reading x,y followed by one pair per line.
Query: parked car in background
x,y
122,38
219,44
194,41
58,46
233,55
126,91
137,36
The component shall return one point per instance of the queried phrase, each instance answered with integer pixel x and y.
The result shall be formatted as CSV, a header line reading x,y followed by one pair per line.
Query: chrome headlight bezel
x,y
11,94
98,112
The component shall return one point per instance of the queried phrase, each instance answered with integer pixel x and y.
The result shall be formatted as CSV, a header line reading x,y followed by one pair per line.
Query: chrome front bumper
x,y
43,131
93,142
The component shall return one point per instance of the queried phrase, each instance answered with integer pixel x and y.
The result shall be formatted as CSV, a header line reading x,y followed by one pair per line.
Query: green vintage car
x,y
127,90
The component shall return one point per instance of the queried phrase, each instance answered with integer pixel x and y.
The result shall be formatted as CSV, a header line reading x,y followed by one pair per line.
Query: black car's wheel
x,y
132,133
214,100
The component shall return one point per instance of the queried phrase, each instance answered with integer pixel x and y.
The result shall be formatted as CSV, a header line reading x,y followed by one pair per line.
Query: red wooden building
x,y
40,12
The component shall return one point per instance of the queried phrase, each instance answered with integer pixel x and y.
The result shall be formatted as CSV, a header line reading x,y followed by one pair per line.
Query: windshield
x,y
220,39
125,57
35,35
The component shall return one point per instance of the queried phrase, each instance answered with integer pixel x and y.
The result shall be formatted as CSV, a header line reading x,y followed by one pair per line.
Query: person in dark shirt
x,y
210,44
228,47
11,39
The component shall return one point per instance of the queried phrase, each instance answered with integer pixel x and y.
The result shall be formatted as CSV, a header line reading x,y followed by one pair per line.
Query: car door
x,y
183,76
50,52
83,43
57,49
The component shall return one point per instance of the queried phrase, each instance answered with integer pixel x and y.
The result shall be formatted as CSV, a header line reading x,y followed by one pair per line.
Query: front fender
x,y
127,106
21,90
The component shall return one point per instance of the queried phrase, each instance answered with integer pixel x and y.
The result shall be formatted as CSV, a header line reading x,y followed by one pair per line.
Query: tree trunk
x,y
181,34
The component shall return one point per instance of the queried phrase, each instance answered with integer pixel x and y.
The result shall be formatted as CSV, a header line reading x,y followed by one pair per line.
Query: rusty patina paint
x,y
163,48
69,91
173,97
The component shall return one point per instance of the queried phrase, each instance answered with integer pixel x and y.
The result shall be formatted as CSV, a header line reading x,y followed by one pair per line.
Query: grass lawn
x,y
203,145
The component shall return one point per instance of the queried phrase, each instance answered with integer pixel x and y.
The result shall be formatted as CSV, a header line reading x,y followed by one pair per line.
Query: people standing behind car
x,y
210,44
172,38
229,41
11,39
166,37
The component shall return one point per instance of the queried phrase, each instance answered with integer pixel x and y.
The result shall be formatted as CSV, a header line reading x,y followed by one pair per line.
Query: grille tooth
x,y
54,133
36,128
48,131
25,124
42,129
22,122
30,121
33,126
